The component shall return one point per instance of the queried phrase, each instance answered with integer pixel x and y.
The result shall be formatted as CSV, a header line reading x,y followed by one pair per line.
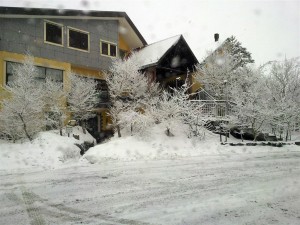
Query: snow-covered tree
x,y
55,100
175,111
22,113
241,56
138,122
82,97
283,81
251,98
217,74
170,112
129,91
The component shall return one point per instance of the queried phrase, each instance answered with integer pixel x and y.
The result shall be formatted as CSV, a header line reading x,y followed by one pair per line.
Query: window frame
x,y
109,44
62,33
79,31
5,61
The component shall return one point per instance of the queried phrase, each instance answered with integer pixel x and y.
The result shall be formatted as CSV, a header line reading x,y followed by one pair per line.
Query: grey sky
x,y
270,30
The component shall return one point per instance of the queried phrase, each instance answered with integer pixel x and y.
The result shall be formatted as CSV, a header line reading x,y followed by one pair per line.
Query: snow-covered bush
x,y
175,111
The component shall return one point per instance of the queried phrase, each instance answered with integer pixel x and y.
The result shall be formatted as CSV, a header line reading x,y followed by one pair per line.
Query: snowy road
x,y
260,188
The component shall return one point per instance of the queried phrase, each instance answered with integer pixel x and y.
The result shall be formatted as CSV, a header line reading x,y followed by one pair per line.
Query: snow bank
x,y
159,146
48,150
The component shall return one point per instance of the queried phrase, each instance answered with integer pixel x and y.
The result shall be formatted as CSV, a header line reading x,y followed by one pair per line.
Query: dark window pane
x,y
10,67
78,40
113,50
53,33
104,47
54,75
41,73
9,78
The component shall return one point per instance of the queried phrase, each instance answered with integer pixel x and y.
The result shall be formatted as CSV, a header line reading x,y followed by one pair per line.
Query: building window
x,y
78,39
53,33
43,73
108,48
49,73
102,90
10,66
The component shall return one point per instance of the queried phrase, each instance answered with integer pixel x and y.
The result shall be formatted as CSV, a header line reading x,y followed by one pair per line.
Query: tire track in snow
x,y
65,214
33,211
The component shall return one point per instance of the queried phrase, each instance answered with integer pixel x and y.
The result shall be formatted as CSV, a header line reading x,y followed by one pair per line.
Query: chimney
x,y
216,37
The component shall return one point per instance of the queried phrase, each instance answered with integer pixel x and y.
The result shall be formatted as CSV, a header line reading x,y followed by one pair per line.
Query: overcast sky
x,y
270,29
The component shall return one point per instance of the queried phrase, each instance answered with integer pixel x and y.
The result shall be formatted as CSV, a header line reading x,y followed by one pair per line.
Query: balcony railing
x,y
214,108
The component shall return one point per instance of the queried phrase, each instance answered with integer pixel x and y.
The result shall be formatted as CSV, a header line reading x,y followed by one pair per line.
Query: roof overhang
x,y
126,27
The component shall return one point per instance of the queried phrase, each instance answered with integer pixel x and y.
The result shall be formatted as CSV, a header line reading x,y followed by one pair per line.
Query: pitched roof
x,y
208,47
132,36
151,54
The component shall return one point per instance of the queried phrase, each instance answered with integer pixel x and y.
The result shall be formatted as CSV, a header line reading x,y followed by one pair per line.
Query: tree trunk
x,y
60,128
83,127
255,133
168,132
25,128
119,131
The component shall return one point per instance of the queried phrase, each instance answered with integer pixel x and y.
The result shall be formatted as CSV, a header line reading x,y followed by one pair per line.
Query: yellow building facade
x,y
69,41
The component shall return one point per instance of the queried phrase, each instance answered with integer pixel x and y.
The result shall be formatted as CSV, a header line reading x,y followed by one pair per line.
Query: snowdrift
x,y
159,146
47,151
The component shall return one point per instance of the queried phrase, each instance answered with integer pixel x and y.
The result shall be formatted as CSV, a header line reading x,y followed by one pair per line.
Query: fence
x,y
215,108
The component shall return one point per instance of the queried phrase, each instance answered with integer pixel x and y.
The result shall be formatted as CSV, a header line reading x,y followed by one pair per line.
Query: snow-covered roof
x,y
151,54
208,47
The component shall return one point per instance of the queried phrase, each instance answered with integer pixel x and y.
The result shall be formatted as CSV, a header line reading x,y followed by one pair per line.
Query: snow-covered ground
x,y
154,180
47,151
249,188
